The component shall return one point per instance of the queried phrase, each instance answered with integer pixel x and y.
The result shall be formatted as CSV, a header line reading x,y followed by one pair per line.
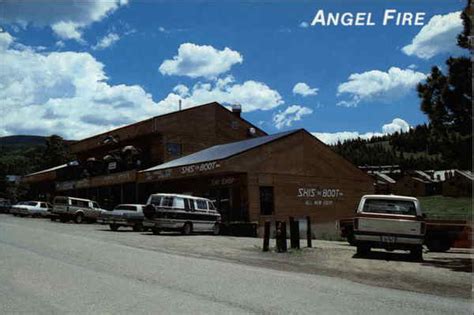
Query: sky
x,y
78,68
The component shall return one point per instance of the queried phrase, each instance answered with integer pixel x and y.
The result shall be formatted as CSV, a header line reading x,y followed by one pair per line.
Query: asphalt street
x,y
52,268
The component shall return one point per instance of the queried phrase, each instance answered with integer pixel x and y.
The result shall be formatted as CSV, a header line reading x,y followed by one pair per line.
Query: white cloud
x,y
65,93
289,115
252,95
436,37
304,24
379,85
303,89
66,20
397,125
200,61
106,41
67,30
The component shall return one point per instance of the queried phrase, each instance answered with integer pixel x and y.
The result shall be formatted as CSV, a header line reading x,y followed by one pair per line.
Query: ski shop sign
x,y
317,196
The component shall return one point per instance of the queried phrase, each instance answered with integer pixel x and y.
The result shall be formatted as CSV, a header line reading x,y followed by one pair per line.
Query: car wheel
x,y
187,229
416,254
79,218
138,227
113,227
363,250
216,229
155,230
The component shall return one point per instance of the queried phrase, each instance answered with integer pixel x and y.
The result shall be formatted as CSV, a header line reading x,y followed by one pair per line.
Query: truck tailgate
x,y
389,226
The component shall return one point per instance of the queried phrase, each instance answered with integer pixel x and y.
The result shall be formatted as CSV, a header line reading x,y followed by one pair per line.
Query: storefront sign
x,y
199,168
223,181
319,196
319,192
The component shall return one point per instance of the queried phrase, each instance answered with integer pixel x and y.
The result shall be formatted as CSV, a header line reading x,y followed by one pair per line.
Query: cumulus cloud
x,y
66,21
289,115
252,95
200,61
436,37
62,92
397,125
303,89
378,85
106,41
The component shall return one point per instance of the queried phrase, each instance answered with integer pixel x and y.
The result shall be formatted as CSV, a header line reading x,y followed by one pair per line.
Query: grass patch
x,y
447,207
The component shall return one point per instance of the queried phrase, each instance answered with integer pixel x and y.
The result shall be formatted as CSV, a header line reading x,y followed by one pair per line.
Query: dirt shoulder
x,y
445,274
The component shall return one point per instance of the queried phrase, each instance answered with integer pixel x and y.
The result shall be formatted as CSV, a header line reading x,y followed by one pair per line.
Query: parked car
x,y
389,222
187,214
31,208
124,215
77,209
5,205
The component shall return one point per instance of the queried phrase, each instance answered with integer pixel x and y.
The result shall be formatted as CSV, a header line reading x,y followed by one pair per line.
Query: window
x,y
266,200
201,204
390,206
79,203
189,204
167,202
173,149
95,205
178,203
43,205
155,200
211,205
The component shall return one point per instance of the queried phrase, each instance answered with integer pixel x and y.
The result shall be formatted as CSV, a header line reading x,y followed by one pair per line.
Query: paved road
x,y
50,268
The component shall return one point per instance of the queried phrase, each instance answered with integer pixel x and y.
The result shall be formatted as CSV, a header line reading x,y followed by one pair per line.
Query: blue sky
x,y
90,67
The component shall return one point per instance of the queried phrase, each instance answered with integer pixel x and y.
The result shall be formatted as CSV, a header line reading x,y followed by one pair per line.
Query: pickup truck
x,y
389,222
77,209
440,235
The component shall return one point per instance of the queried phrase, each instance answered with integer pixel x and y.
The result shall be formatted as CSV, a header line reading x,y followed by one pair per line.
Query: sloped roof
x,y
467,174
222,151
385,177
48,170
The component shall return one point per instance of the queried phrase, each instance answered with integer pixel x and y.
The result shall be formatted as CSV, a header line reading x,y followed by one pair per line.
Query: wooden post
x,y
266,236
309,234
281,236
294,233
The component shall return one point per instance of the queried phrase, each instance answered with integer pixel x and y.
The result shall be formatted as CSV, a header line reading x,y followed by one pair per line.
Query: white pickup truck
x,y
389,222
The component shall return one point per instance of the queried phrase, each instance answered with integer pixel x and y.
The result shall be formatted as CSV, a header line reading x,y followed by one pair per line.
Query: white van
x,y
77,209
173,212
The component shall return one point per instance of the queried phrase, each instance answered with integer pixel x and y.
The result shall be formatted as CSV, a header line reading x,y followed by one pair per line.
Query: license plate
x,y
388,239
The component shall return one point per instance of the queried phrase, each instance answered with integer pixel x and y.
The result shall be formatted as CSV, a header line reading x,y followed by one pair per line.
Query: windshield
x,y
27,203
390,206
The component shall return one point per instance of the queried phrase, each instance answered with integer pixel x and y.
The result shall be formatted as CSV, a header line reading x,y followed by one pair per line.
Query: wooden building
x,y
458,183
267,178
106,164
212,152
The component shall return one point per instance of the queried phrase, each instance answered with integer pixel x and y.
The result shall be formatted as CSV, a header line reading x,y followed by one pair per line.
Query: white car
x,y
31,208
124,215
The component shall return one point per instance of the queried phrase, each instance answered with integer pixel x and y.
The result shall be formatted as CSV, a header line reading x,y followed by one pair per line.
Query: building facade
x,y
212,152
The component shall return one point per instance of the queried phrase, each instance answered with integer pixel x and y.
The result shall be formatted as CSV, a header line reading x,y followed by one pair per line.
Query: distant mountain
x,y
10,141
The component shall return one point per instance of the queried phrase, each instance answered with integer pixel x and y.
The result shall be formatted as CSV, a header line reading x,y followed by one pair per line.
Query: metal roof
x,y
48,170
220,152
